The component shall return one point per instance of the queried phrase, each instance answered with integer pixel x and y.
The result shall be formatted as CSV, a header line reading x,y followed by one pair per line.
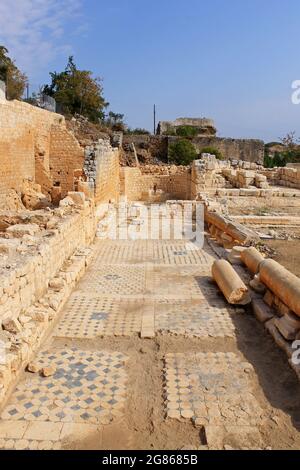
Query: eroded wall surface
x,y
24,134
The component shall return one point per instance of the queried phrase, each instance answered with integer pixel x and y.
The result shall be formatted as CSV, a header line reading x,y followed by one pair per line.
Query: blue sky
x,y
232,60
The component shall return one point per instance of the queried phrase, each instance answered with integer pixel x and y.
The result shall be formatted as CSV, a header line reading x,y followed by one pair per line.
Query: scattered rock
x,y
34,200
33,368
66,202
12,326
19,230
48,371
56,284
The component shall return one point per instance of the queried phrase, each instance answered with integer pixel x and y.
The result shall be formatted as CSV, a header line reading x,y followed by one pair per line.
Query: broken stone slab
x,y
66,202
269,298
284,284
19,230
34,200
262,312
288,331
252,259
229,282
285,345
57,284
77,197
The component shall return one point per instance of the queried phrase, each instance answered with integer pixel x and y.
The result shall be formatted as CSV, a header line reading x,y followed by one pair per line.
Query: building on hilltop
x,y
202,126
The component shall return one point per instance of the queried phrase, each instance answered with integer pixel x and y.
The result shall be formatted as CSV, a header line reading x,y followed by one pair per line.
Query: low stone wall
x,y
37,280
287,177
245,178
137,186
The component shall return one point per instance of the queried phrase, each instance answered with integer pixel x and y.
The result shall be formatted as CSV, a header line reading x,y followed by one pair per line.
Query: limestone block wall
x,y
250,150
287,177
24,133
66,158
136,186
102,171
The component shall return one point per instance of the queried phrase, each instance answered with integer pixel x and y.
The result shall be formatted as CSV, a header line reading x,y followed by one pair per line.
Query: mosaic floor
x,y
88,317
210,388
87,388
133,289
193,319
154,252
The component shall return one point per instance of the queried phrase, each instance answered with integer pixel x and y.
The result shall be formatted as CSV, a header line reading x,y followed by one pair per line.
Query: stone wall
x,y
138,186
66,158
35,145
287,177
24,131
238,149
102,171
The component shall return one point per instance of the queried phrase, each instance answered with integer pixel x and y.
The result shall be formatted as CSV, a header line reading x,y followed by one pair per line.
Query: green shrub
x,y
187,131
213,151
182,152
137,131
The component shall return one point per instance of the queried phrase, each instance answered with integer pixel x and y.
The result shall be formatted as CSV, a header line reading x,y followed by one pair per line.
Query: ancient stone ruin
x,y
118,330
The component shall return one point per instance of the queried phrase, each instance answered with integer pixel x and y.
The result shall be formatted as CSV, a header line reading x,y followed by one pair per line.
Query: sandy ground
x,y
287,254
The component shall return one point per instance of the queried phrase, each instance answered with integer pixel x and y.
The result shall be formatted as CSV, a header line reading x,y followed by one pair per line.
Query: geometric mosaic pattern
x,y
88,317
193,319
210,388
114,280
88,387
151,251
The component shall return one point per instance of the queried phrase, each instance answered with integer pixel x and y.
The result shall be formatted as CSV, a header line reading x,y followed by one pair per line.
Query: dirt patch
x,y
287,254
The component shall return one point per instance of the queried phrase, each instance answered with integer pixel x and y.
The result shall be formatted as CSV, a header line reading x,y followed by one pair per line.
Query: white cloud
x,y
33,30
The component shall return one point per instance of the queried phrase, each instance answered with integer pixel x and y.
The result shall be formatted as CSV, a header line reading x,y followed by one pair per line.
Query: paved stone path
x,y
145,289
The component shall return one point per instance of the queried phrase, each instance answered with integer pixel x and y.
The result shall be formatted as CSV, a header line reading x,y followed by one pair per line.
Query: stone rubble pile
x,y
42,256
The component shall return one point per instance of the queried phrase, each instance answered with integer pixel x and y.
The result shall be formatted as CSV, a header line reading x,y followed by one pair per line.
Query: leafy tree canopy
x,y
14,79
77,92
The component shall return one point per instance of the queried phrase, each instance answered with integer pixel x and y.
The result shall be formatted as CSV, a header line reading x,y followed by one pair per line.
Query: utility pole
x,y
27,90
154,120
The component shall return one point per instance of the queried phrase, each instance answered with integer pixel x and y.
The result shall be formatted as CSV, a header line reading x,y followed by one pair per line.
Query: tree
x,y
14,79
78,92
289,141
287,151
182,152
115,121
